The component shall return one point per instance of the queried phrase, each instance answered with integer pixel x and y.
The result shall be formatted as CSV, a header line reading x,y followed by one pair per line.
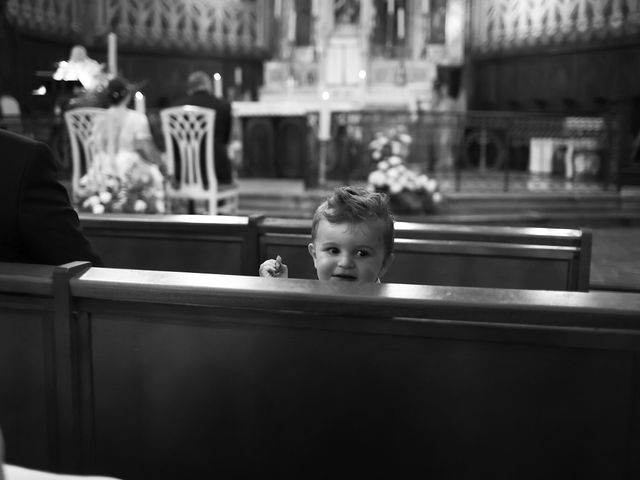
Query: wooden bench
x,y
187,243
474,256
36,368
193,375
481,256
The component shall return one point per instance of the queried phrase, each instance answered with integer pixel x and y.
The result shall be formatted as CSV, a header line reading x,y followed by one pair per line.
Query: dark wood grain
x,y
27,379
243,376
197,243
164,375
432,254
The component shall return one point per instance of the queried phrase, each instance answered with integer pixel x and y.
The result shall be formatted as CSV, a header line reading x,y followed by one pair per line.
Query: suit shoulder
x,y
21,150
13,140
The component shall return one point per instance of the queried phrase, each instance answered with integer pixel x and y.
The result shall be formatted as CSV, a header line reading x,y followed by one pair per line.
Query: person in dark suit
x,y
200,94
39,225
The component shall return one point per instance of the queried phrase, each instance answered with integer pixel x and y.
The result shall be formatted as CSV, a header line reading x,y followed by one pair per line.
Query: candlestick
x,y
140,103
112,54
217,85
324,129
237,76
391,6
292,27
401,23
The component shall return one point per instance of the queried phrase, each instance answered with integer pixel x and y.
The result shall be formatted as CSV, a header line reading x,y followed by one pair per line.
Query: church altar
x,y
338,58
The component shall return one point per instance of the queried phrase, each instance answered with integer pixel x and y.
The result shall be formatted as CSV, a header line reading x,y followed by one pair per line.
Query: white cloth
x,y
88,72
13,472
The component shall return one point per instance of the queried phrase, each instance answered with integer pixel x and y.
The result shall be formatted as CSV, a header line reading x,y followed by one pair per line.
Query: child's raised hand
x,y
274,268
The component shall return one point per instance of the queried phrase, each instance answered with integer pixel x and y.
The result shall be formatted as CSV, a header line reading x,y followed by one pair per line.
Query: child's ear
x,y
312,251
386,264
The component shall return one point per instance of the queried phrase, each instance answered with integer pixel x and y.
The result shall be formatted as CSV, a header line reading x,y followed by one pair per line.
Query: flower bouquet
x,y
134,191
409,191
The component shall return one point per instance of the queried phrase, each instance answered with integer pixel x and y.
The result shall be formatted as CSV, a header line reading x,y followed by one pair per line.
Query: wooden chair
x,y
80,123
188,133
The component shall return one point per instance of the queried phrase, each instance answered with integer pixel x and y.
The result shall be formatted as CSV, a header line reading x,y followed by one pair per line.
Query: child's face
x,y
343,252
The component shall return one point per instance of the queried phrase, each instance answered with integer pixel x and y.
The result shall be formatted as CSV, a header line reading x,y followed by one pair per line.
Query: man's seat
x,y
188,133
80,123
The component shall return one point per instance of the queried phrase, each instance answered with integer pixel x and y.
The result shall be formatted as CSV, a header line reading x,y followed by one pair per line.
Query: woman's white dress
x,y
117,138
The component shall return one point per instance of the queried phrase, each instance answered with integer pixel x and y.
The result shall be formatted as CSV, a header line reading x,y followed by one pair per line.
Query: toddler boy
x,y
351,238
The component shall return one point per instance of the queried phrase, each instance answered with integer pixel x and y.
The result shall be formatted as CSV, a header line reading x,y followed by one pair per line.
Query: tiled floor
x,y
615,258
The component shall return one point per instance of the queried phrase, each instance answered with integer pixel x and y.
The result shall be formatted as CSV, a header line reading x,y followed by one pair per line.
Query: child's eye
x,y
333,250
363,253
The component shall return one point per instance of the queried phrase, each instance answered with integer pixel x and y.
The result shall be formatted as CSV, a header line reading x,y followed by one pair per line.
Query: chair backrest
x,y
80,123
188,134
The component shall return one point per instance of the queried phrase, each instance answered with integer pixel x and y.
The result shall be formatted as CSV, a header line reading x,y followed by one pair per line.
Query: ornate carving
x,y
188,24
506,24
232,25
49,16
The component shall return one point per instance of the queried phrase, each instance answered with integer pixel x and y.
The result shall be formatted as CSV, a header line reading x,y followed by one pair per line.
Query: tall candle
x,y
217,85
112,54
237,76
391,6
292,26
324,128
140,103
401,23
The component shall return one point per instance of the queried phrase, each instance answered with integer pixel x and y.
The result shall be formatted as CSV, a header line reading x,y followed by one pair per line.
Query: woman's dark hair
x,y
117,89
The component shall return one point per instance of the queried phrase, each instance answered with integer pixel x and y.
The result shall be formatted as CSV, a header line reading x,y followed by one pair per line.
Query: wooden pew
x,y
462,255
481,256
36,411
188,243
194,376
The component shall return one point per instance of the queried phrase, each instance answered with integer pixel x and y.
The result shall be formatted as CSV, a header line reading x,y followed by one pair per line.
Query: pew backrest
x,y
248,376
475,256
261,377
187,243
35,362
480,256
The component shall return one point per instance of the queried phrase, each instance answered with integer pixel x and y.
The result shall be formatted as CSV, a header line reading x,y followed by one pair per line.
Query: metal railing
x,y
496,143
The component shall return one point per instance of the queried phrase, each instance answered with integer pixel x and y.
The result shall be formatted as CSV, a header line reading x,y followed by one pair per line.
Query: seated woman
x,y
126,163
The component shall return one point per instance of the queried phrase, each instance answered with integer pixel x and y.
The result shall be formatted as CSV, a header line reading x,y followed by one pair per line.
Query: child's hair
x,y
356,205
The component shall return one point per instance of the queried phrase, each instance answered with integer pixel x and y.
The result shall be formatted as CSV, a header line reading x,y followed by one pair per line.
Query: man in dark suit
x,y
200,94
37,222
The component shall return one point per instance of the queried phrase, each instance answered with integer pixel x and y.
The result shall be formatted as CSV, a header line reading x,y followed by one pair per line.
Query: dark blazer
x,y
222,129
37,222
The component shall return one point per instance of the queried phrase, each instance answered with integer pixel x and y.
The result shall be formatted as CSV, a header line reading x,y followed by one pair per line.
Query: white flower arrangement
x,y
102,191
409,191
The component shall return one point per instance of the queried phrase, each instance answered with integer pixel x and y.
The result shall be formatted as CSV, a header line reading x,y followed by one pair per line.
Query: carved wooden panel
x,y
189,24
230,25
508,24
49,16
